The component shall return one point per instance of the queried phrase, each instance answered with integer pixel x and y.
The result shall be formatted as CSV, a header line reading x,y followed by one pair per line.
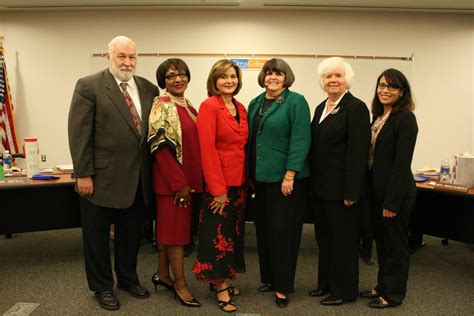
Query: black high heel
x,y
192,303
230,289
222,304
157,281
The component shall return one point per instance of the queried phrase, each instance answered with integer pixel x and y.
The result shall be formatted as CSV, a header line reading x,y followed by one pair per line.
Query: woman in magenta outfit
x,y
177,174
223,133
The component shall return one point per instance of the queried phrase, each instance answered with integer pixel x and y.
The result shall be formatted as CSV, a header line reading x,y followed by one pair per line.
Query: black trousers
x,y
393,251
337,230
279,221
96,222
366,230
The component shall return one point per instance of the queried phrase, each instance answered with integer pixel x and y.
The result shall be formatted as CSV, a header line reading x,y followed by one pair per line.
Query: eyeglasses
x,y
172,75
382,86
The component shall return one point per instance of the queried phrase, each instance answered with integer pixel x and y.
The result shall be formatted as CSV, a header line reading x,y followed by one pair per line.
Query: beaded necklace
x,y
278,100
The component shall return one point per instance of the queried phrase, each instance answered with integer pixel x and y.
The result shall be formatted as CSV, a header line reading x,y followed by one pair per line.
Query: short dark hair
x,y
217,70
276,65
175,63
396,79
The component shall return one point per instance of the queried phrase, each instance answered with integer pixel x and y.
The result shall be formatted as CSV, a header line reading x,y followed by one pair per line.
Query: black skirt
x,y
221,239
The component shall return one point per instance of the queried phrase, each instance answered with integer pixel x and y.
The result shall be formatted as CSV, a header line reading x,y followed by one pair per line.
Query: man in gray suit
x,y
107,128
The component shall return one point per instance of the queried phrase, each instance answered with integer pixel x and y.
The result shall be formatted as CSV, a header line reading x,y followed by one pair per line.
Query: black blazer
x,y
104,142
340,150
392,177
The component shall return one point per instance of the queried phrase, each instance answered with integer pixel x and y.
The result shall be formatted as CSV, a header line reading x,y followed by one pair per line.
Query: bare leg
x,y
164,265
176,259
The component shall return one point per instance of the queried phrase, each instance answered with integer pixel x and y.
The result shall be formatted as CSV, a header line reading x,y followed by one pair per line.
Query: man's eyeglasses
x,y
172,75
382,86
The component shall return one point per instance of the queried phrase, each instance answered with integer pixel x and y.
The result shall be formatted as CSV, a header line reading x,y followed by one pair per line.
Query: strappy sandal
x,y
232,290
222,304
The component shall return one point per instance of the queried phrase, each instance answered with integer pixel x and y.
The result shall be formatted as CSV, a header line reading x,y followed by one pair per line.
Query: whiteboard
x,y
307,83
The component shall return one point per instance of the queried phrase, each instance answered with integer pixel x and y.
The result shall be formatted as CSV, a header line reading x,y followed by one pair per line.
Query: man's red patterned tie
x,y
131,106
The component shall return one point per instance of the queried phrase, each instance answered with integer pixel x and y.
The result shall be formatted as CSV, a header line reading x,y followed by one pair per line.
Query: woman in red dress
x,y
223,133
177,174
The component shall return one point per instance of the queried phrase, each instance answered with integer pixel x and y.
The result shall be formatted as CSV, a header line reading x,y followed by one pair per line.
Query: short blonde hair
x,y
332,63
217,70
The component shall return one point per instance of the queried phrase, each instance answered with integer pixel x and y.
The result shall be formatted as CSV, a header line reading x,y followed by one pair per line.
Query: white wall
x,y
47,51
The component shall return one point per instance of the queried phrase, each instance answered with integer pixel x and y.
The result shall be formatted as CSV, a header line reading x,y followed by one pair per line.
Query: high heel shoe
x,y
232,290
192,303
223,304
157,281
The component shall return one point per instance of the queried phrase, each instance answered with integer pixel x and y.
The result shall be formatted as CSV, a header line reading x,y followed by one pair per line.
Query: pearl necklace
x,y
181,102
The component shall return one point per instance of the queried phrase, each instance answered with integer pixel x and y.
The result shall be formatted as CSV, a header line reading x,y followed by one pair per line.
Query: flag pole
x,y
8,139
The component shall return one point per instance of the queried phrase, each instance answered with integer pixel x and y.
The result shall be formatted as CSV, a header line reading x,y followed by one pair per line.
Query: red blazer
x,y
222,140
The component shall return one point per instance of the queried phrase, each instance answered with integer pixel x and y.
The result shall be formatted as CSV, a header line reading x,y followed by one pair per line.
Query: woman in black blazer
x,y
393,188
339,152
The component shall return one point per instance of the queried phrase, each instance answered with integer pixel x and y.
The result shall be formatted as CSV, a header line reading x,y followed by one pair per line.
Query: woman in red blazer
x,y
223,133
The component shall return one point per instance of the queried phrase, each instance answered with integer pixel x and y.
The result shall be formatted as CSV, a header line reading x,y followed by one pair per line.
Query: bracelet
x,y
288,178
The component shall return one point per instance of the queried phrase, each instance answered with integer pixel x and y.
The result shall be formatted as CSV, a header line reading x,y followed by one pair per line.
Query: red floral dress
x,y
221,239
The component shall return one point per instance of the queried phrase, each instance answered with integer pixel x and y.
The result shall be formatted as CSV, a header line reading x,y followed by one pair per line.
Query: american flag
x,y
7,125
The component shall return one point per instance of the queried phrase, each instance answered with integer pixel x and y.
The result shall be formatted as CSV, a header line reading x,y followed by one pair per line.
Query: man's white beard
x,y
122,75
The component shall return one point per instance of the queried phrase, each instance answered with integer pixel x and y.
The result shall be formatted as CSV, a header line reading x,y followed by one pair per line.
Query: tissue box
x,y
463,170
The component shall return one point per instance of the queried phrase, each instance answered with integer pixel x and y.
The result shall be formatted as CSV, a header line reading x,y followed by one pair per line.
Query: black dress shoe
x,y
107,300
155,279
368,294
379,304
332,301
318,292
191,303
265,288
137,291
281,302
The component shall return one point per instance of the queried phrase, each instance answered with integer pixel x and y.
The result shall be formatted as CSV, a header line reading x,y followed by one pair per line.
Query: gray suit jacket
x,y
104,142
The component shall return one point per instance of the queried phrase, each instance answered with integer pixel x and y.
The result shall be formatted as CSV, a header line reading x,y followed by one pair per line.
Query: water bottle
x,y
7,160
444,171
31,150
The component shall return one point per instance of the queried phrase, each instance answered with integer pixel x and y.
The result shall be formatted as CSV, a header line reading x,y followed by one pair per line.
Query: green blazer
x,y
283,138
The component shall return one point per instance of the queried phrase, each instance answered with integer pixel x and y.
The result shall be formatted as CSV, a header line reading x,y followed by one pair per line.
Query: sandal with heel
x,y
232,290
222,304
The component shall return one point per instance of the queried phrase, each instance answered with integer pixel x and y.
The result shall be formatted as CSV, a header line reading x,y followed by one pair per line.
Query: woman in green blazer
x,y
278,169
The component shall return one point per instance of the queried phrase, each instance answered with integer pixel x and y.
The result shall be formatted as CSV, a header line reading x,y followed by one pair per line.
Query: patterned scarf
x,y
164,126
376,127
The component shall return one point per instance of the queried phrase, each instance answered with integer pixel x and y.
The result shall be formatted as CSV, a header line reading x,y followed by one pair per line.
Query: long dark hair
x,y
396,79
